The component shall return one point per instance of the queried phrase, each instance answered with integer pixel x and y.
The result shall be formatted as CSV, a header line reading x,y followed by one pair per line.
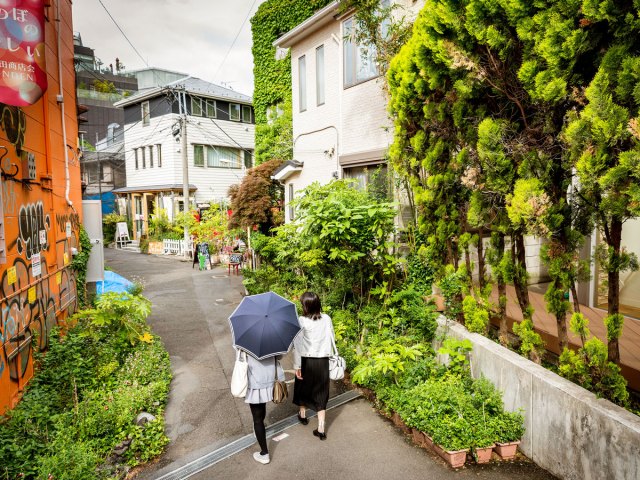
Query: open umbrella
x,y
264,325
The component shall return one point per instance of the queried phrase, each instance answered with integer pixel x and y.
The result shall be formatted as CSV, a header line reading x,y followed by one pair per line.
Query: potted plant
x,y
452,438
508,428
483,442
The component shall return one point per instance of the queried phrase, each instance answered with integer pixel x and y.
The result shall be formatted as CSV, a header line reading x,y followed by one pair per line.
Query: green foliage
x,y
83,400
385,361
531,342
453,283
476,316
159,224
272,78
457,353
109,222
79,266
104,86
589,366
121,316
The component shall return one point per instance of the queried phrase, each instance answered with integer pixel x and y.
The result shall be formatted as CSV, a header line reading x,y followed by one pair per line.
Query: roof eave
x,y
315,22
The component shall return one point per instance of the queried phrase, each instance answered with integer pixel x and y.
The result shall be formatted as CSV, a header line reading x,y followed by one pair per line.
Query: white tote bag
x,y
337,364
239,378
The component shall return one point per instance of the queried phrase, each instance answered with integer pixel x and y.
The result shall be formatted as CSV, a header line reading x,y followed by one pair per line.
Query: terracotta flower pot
x,y
454,458
507,451
483,455
418,437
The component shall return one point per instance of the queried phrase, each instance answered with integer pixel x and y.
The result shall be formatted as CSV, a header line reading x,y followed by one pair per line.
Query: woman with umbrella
x,y
264,326
312,349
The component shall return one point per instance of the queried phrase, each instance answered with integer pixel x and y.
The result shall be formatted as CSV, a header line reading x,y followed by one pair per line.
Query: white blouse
x,y
315,340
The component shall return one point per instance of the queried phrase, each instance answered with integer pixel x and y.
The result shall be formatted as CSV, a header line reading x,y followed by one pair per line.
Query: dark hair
x,y
311,306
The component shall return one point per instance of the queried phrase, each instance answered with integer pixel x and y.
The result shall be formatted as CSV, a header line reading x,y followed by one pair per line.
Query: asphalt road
x,y
190,311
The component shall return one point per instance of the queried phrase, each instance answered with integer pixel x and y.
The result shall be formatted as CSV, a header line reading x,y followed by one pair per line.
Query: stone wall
x,y
570,432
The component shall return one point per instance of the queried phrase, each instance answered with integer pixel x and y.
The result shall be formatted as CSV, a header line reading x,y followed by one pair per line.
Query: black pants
x,y
259,412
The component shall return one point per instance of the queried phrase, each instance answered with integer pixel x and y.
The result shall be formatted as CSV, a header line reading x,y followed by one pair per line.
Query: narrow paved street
x,y
190,310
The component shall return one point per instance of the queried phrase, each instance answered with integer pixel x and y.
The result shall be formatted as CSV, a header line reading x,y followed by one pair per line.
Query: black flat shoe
x,y
303,420
320,435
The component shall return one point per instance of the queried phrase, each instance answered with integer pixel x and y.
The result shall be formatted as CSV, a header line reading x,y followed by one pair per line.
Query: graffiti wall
x,y
40,220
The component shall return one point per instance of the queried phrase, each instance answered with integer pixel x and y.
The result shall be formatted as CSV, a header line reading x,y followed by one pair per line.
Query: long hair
x,y
311,306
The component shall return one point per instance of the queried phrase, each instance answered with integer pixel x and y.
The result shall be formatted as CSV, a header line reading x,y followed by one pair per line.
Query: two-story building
x,y
341,128
220,144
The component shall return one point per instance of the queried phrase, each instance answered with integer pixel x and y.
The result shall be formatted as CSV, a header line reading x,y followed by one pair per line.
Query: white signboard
x,y
43,237
68,230
36,268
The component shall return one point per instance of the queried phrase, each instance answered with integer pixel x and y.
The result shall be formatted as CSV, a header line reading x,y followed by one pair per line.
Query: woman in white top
x,y
312,348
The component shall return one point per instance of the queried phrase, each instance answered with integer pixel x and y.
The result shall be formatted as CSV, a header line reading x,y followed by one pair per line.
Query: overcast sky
x,y
188,36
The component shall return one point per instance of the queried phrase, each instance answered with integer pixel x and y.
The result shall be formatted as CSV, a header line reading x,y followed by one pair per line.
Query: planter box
x,y
507,451
456,458
483,455
419,438
156,248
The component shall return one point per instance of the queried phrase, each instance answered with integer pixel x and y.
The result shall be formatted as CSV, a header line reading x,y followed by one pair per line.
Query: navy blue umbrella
x,y
264,325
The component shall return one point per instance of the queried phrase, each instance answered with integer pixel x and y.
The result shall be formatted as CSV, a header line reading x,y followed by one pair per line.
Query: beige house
x,y
340,124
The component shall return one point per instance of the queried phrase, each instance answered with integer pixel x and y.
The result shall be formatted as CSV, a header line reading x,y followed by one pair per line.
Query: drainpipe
x,y
60,100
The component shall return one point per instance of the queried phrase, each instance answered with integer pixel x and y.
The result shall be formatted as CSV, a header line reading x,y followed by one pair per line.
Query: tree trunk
x,y
519,281
502,297
613,303
481,268
563,336
574,294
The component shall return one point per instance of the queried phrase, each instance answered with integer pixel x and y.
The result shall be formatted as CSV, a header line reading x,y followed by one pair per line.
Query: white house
x,y
220,137
340,124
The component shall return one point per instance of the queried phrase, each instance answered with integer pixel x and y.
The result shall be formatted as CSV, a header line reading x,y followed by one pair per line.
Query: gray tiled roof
x,y
193,85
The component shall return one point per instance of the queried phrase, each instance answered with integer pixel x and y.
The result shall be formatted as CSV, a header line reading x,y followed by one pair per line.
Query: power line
x,y
236,38
123,34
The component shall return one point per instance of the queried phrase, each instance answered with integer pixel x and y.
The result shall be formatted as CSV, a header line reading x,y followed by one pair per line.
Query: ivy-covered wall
x,y
273,77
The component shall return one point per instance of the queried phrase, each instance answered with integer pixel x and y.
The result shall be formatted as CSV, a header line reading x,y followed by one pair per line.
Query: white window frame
x,y
246,108
233,118
144,159
302,83
200,147
150,156
159,154
196,107
211,108
135,156
358,60
146,114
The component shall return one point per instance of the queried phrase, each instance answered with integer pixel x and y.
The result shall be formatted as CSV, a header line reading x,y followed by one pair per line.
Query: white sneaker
x,y
264,459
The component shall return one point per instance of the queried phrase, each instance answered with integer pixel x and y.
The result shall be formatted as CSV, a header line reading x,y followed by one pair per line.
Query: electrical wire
x,y
123,34
235,39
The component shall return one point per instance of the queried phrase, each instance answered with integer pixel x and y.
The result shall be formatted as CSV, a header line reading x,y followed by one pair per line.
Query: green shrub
x,y
85,395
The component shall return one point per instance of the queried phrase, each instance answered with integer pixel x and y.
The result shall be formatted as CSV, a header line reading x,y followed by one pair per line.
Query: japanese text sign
x,y
23,73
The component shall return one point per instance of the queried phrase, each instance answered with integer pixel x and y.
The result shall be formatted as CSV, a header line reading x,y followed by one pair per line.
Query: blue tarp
x,y
113,283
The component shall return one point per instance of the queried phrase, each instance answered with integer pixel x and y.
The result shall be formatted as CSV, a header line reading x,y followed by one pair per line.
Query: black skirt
x,y
313,390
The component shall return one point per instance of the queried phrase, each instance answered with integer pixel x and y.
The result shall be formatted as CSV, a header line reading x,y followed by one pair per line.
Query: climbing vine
x,y
79,266
273,77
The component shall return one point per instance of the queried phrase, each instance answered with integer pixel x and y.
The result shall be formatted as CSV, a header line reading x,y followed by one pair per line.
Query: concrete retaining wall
x,y
570,432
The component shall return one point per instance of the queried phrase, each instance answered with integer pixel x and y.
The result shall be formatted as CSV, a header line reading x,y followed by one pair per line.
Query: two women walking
x,y
312,349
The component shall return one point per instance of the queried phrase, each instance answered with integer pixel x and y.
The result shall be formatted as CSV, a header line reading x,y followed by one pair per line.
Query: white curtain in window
x,y
223,157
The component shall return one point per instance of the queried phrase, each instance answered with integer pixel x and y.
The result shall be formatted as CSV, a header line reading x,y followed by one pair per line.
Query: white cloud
x,y
189,36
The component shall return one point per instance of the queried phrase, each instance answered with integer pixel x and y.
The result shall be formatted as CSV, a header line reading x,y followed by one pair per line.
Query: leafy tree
x,y
276,135
104,86
257,200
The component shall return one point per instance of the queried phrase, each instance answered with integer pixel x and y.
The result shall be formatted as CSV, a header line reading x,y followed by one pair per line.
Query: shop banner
x,y
23,73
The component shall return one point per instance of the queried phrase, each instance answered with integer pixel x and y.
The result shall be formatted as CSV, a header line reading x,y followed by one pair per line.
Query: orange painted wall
x,y
32,305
